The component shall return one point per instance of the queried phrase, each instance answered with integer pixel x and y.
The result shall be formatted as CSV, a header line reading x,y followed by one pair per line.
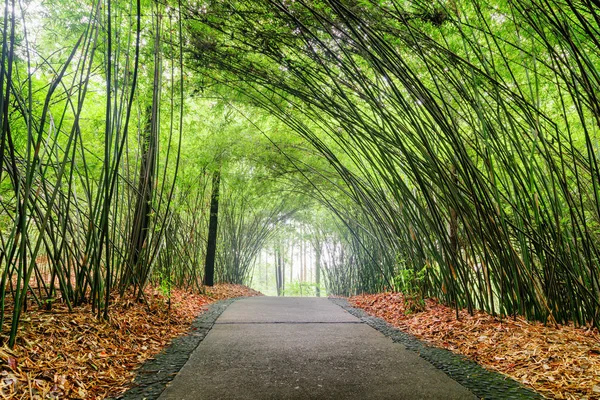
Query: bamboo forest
x,y
418,158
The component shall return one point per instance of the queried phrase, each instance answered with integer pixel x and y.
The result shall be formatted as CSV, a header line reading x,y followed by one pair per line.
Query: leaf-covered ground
x,y
74,355
561,362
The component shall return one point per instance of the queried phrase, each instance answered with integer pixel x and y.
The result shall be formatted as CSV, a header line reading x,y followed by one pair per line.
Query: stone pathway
x,y
304,348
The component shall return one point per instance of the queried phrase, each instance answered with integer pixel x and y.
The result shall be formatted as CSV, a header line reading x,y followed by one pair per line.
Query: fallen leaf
x,y
553,360
12,363
73,355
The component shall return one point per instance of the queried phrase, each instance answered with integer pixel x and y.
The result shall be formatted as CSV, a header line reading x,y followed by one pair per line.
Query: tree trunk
x,y
292,263
303,260
143,207
282,258
318,270
278,271
211,245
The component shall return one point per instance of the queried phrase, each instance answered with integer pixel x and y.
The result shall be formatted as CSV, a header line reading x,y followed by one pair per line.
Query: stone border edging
x,y
484,383
153,376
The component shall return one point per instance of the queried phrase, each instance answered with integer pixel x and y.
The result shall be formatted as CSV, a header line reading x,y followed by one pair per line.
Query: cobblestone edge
x,y
484,383
153,376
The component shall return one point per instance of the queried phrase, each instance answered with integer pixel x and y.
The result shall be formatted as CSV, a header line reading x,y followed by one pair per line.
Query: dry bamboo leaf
x,y
61,354
560,362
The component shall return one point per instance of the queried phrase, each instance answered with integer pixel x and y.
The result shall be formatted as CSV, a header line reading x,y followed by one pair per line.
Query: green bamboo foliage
x,y
70,165
460,137
243,231
248,217
186,235
471,130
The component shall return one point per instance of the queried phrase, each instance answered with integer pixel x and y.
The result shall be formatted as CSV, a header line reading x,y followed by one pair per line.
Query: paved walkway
x,y
304,348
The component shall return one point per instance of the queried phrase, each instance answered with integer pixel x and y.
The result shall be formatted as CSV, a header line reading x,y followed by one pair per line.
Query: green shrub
x,y
410,283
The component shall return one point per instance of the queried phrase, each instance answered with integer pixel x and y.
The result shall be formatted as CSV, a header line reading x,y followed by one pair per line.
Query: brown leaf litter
x,y
74,355
560,362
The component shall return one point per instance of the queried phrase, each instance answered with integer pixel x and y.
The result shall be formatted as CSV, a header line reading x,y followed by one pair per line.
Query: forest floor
x,y
560,362
61,354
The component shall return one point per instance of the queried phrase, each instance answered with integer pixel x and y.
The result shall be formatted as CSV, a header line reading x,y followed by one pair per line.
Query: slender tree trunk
x,y
143,206
453,228
292,263
318,270
263,262
303,260
311,271
282,264
278,272
454,248
211,245
136,273
453,235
